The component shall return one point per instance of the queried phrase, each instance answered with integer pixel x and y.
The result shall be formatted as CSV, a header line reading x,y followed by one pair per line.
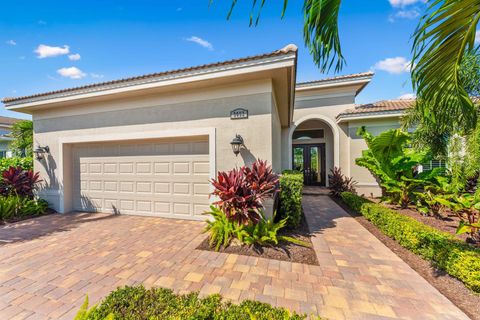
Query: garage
x,y
164,177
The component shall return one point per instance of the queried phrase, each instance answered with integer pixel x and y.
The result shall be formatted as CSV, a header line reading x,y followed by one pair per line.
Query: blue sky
x,y
48,45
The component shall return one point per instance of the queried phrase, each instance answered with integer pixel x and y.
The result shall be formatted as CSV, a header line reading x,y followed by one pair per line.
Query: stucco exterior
x,y
189,106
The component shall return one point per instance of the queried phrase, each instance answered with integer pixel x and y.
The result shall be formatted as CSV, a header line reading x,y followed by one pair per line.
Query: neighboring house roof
x,y
8,121
380,108
153,76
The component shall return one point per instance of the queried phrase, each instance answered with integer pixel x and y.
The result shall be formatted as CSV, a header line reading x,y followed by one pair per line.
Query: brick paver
x,y
49,264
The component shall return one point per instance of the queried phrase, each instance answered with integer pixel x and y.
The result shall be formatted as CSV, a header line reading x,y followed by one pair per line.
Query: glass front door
x,y
310,159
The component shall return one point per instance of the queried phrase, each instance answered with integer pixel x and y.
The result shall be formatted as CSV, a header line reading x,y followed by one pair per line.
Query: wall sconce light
x,y
237,143
40,151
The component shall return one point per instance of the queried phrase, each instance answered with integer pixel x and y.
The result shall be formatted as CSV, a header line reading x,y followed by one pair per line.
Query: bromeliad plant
x,y
242,191
338,183
19,182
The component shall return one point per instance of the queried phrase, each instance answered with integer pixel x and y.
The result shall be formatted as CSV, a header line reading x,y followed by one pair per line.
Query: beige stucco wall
x,y
367,184
323,105
187,111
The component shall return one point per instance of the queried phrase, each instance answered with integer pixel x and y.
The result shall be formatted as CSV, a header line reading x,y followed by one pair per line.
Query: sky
x,y
49,45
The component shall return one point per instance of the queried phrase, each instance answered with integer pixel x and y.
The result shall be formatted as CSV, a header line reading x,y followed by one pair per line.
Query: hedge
x,y
449,254
291,188
136,303
25,163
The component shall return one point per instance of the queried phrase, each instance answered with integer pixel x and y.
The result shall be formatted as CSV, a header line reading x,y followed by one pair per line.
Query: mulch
x,y
284,251
450,287
23,218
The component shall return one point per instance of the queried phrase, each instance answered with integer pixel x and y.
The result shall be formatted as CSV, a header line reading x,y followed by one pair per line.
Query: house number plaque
x,y
239,113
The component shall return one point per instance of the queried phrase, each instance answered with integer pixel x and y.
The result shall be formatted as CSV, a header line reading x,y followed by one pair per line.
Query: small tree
x,y
22,134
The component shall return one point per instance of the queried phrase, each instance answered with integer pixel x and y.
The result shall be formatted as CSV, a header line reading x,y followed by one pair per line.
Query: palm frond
x,y
443,35
320,33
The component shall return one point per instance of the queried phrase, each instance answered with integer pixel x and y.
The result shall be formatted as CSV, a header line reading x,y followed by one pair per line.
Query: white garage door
x,y
161,178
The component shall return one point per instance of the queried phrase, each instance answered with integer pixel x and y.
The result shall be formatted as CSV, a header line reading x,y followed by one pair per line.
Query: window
x,y
308,134
430,165
3,154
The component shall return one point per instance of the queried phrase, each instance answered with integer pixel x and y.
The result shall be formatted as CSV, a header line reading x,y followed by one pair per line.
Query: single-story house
x,y
149,144
6,124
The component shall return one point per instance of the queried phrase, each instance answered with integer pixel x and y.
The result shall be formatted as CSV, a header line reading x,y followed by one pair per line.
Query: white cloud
x,y
72,73
11,42
407,96
477,37
96,75
407,14
44,51
74,57
403,3
395,65
201,42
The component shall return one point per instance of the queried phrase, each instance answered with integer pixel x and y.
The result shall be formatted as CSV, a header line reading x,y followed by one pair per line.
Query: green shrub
x,y
291,188
12,207
24,163
265,232
446,252
137,303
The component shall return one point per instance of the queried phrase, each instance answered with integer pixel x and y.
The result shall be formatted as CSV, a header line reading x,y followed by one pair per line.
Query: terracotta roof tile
x,y
380,106
8,120
287,49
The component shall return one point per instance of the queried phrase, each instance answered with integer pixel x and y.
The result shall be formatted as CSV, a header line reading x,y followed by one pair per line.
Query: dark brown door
x,y
310,159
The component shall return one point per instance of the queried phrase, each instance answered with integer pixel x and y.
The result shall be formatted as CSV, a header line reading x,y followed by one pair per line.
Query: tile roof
x,y
380,106
8,120
291,48
337,78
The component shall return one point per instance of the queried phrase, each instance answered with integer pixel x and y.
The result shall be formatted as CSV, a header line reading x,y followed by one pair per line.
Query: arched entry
x,y
314,148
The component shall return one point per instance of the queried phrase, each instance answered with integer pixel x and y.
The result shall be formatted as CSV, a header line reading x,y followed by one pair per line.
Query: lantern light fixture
x,y
40,152
236,144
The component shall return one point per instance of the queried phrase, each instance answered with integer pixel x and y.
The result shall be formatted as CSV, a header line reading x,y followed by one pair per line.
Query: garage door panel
x,y
164,179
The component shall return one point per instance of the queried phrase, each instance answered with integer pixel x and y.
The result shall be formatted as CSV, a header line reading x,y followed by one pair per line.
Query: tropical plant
x,y
242,191
221,229
466,207
338,183
393,164
22,134
19,182
265,233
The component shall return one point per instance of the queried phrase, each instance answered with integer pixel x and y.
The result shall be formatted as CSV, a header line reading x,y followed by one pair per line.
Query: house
x,y
149,145
6,124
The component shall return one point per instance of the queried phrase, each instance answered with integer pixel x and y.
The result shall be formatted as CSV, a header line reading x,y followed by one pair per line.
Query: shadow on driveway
x,y
45,225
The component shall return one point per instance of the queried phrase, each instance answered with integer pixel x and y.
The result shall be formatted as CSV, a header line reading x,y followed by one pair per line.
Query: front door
x,y
310,159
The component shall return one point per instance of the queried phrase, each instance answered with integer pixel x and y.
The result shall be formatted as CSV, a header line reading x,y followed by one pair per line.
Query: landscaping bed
x,y
447,223
433,271
240,224
138,303
284,251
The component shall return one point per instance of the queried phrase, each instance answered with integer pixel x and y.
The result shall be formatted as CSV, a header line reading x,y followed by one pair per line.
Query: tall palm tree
x,y
444,34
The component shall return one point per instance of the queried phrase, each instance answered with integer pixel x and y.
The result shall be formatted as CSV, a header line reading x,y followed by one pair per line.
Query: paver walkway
x,y
48,264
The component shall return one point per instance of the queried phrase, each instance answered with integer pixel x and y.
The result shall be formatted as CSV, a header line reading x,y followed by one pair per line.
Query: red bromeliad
x,y
241,191
16,181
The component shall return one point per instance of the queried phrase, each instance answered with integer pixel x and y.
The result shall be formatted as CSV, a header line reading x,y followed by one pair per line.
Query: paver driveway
x,y
47,265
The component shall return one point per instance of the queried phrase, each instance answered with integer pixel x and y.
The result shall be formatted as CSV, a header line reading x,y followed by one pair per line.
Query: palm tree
x,y
444,34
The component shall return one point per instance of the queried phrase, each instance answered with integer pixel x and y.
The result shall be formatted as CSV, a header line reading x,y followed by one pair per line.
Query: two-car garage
x,y
163,177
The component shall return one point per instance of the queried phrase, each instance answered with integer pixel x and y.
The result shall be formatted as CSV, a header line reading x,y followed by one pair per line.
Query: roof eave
x,y
287,59
345,117
361,82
